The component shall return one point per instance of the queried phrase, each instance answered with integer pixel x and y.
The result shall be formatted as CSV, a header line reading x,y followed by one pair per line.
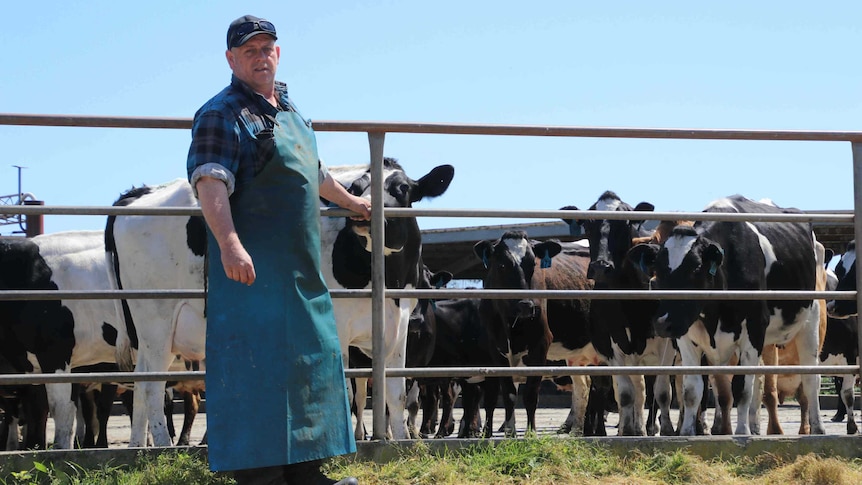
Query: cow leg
x,y
412,406
723,404
847,398
770,391
448,396
804,409
395,398
430,394
63,409
808,347
509,394
35,407
359,398
623,393
470,395
104,405
662,398
148,413
841,412
490,389
88,424
580,399
744,410
191,405
692,387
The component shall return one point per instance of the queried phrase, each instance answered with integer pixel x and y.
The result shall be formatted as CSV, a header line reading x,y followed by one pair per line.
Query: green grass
x,y
545,460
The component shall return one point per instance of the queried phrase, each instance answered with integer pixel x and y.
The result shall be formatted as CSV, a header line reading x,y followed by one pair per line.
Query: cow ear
x,y
827,258
546,250
440,278
642,207
574,226
434,183
643,257
482,250
713,255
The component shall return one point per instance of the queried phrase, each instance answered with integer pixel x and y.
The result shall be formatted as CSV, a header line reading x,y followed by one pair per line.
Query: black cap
x,y
246,27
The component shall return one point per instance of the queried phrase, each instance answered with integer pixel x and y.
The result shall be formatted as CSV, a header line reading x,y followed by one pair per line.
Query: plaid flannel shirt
x,y
232,135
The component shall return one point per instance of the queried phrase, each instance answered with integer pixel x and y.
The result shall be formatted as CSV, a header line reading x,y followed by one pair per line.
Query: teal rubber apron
x,y
276,392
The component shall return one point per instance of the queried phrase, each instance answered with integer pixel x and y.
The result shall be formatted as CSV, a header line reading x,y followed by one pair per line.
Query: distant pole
x,y
34,224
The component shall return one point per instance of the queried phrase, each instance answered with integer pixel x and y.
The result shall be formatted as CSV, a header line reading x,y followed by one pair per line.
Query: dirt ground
x,y
548,420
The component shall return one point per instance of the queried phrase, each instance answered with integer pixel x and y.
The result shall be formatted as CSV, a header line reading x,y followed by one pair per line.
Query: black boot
x,y
272,475
308,473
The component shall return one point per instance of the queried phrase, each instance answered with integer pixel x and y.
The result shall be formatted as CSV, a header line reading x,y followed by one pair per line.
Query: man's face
x,y
255,62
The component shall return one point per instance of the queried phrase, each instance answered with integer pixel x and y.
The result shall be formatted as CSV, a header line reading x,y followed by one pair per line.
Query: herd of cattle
x,y
145,252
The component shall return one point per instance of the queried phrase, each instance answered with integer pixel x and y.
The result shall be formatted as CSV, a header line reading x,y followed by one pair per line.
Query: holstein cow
x,y
56,336
167,252
461,341
737,256
346,264
845,271
775,387
531,331
841,345
157,253
622,330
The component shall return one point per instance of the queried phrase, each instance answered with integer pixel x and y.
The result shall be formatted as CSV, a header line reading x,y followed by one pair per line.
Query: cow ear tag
x,y
713,268
643,266
546,261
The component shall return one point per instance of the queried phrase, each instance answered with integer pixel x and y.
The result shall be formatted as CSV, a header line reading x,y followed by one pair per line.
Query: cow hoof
x,y
565,428
838,418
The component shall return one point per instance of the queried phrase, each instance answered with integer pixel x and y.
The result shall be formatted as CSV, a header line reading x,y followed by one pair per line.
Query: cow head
x,y
609,240
686,261
512,263
845,271
422,327
352,252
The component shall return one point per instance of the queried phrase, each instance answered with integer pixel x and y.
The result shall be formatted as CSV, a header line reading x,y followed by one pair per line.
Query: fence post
x,y
857,234
378,289
34,224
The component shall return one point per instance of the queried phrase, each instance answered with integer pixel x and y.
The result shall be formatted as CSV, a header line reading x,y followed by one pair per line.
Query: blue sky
x,y
737,65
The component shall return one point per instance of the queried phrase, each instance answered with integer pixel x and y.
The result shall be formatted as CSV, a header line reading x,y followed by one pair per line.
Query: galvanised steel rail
x,y
419,372
14,295
376,132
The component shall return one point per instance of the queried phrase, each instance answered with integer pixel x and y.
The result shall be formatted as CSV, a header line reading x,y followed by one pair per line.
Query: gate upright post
x,y
857,235
378,289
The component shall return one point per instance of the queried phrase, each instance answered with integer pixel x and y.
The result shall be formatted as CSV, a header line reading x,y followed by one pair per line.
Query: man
x,y
276,396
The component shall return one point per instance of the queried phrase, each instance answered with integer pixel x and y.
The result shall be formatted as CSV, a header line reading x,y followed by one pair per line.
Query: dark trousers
x,y
305,473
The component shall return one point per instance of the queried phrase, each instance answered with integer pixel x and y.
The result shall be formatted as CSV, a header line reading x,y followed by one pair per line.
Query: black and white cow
x,y
841,345
622,330
346,264
167,252
845,271
737,256
461,341
157,253
532,331
56,336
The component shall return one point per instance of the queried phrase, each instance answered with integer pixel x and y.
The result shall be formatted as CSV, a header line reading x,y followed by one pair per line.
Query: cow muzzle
x,y
527,309
600,270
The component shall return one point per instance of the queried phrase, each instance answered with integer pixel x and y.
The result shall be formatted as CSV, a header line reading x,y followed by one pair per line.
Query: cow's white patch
x,y
723,203
518,247
765,247
608,204
848,260
677,247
